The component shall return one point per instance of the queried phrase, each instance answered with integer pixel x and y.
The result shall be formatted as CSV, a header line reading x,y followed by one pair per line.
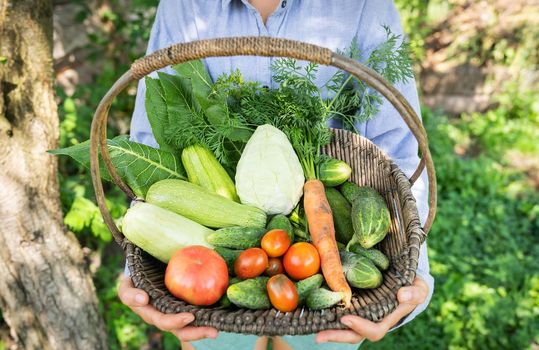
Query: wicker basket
x,y
370,167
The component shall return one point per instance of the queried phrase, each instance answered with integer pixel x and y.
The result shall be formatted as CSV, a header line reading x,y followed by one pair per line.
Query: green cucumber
x,y
234,280
371,219
224,302
351,191
230,256
322,298
377,257
280,221
250,294
333,172
204,169
236,237
360,272
204,207
341,215
307,285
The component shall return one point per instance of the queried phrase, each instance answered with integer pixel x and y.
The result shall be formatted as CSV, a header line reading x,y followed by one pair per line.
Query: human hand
x,y
361,329
138,301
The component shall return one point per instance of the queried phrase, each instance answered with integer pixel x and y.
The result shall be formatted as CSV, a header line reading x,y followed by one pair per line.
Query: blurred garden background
x,y
476,64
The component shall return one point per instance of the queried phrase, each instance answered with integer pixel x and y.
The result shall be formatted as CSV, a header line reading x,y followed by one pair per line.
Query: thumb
x,y
131,296
415,294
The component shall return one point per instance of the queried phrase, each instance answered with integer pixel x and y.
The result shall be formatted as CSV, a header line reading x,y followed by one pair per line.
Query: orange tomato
x,y
275,243
282,293
275,266
301,261
251,263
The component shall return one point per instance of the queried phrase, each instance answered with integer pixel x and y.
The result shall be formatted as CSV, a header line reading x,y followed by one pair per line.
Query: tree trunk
x,y
46,292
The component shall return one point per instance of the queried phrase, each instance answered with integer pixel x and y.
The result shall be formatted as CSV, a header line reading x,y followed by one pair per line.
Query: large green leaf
x,y
213,105
156,110
179,97
200,79
138,165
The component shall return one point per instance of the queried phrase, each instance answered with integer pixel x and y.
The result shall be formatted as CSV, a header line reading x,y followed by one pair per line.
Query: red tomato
x,y
301,260
197,275
251,263
275,266
275,243
282,293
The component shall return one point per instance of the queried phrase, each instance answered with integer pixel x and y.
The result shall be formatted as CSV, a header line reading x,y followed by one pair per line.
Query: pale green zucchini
x,y
161,232
204,169
206,208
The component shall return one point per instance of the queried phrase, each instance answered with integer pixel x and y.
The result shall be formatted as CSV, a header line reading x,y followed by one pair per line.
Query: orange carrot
x,y
320,219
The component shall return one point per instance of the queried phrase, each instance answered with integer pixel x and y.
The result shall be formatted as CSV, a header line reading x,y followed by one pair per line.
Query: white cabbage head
x,y
269,175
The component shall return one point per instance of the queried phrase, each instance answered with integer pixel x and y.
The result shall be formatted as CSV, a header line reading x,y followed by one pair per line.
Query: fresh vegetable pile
x,y
239,200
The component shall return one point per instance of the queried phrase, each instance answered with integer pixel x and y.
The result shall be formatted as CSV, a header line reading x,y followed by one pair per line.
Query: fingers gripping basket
x,y
370,167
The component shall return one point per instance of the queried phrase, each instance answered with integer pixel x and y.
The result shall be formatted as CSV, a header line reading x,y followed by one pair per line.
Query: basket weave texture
x,y
371,167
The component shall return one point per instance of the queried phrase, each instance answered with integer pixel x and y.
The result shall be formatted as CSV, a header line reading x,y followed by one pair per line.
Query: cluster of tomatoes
x,y
277,255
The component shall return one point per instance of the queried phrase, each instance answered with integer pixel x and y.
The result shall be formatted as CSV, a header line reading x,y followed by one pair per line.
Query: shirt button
x,y
283,4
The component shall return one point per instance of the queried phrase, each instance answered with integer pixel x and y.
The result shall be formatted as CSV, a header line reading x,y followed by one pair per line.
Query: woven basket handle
x,y
253,46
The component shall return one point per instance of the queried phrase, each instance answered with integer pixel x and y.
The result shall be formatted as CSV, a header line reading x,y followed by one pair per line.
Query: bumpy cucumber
x,y
230,256
236,237
351,191
250,294
306,286
360,271
322,298
280,221
334,172
377,257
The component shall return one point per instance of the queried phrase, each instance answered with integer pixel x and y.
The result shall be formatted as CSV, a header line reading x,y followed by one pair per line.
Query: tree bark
x,y
46,291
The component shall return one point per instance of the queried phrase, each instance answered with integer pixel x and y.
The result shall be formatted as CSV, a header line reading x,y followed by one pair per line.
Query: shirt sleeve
x,y
389,131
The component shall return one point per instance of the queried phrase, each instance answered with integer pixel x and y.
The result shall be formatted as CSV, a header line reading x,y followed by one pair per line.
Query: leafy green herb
x,y
138,165
197,114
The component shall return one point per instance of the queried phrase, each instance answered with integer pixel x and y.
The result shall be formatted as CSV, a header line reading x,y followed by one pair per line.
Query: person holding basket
x,y
328,24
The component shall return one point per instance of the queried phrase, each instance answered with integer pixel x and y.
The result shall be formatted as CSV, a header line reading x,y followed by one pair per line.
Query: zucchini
x,y
333,172
160,232
204,169
307,285
280,221
230,256
250,294
341,215
377,257
322,298
206,208
236,237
